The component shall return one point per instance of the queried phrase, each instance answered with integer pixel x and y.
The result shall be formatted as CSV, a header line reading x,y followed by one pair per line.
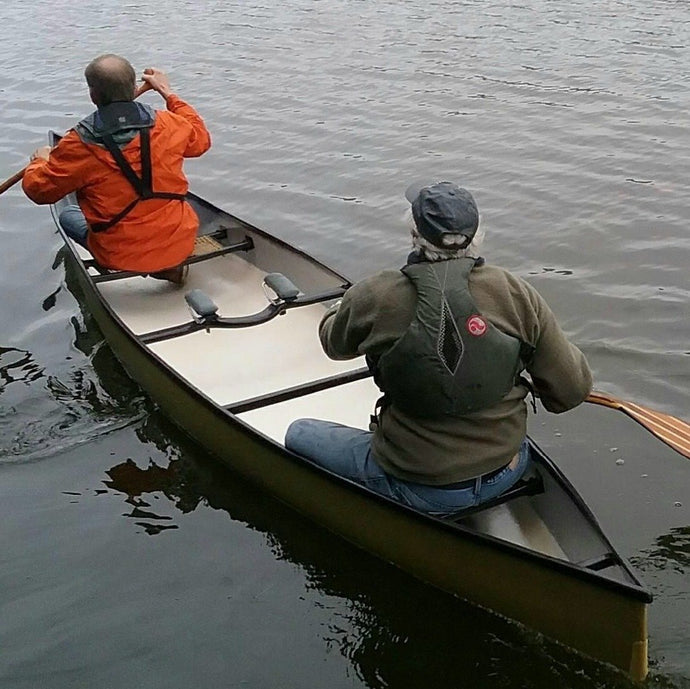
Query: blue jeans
x,y
347,451
73,222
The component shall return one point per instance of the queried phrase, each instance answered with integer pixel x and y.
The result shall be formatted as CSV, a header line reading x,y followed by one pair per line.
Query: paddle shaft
x,y
11,181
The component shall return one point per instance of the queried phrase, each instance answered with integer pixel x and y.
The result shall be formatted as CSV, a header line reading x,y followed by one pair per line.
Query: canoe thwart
x,y
281,286
296,391
203,307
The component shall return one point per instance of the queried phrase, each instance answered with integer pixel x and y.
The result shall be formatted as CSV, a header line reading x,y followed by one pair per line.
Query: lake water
x,y
127,557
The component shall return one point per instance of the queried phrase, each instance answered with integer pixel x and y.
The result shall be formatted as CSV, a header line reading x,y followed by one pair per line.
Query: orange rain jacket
x,y
157,233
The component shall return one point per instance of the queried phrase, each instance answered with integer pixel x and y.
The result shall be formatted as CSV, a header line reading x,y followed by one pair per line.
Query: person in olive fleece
x,y
448,337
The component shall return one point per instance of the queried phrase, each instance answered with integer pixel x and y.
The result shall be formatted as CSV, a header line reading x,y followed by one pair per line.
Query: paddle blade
x,y
671,430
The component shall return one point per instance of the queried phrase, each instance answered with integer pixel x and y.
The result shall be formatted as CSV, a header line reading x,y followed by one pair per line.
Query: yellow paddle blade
x,y
673,431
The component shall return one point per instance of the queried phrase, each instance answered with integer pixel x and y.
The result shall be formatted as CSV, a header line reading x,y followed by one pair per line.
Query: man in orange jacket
x,y
125,163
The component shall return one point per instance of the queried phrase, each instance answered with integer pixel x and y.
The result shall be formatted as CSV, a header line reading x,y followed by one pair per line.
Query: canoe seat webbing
x,y
205,244
532,484
107,276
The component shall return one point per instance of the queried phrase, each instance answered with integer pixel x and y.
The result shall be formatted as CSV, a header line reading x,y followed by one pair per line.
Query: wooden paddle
x,y
11,181
671,430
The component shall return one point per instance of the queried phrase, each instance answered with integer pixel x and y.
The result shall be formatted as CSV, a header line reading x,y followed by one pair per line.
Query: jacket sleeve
x,y
47,181
337,333
346,327
368,321
200,139
559,370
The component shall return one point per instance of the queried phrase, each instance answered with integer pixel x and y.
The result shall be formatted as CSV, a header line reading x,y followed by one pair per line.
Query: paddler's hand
x,y
43,152
333,309
154,79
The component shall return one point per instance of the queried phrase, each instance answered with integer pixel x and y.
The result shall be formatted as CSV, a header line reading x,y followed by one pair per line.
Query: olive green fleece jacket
x,y
375,312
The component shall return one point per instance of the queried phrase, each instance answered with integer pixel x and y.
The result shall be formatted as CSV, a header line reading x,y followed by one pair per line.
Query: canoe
x,y
233,357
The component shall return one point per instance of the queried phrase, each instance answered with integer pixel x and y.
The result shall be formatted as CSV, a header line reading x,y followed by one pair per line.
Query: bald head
x,y
110,78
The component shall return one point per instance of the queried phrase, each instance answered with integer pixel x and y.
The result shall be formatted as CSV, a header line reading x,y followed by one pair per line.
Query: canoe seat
x,y
206,244
530,484
205,249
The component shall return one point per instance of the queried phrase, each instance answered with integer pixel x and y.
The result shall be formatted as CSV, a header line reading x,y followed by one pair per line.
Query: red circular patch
x,y
476,325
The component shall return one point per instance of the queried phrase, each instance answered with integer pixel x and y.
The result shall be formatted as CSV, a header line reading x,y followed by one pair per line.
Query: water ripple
x,y
567,120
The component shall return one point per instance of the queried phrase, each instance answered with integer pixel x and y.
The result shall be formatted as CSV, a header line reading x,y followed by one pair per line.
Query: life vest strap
x,y
143,185
136,182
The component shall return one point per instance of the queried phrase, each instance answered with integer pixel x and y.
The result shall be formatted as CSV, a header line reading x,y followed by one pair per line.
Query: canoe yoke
x,y
284,289
205,310
202,306
281,292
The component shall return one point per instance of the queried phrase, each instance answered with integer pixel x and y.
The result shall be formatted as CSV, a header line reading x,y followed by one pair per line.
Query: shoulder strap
x,y
146,176
137,182
143,185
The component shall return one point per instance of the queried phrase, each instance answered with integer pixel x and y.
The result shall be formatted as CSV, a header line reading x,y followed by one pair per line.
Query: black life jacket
x,y
450,361
114,126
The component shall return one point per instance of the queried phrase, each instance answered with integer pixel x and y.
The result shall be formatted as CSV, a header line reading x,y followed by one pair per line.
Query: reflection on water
x,y
568,120
86,395
665,566
671,551
50,301
17,366
395,631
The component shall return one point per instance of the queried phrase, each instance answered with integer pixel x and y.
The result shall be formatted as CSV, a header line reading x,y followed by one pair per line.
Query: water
x,y
127,558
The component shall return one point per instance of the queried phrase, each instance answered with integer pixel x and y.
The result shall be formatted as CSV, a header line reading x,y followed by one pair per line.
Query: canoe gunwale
x,y
628,596
636,591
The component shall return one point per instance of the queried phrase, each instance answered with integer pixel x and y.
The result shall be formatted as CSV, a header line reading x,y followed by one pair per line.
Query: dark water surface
x,y
127,557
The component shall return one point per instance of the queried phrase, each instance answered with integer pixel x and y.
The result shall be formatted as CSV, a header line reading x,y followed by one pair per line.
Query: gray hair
x,y
431,252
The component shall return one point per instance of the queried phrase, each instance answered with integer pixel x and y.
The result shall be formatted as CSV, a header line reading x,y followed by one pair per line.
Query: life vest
x,y
113,126
451,361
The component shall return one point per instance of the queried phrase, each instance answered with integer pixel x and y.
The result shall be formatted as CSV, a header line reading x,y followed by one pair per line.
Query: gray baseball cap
x,y
441,210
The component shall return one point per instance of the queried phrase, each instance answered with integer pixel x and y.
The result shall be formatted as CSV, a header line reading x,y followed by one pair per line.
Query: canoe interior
x,y
268,374
230,366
